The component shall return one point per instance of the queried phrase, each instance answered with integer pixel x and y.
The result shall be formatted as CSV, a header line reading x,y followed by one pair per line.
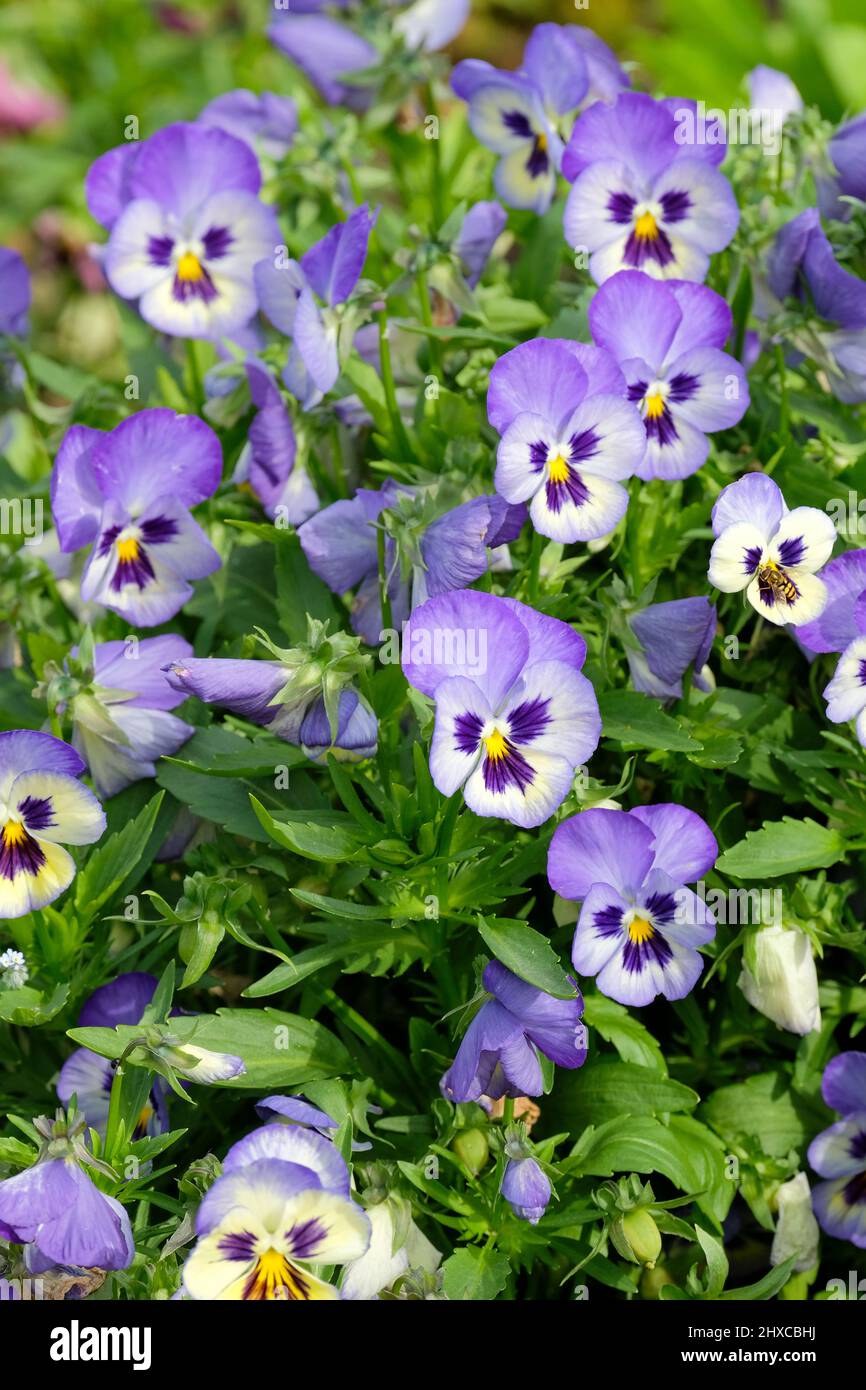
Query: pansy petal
x,y
804,540
707,211
676,452
552,709
527,798
844,1083
550,639
735,556
588,509
57,807
840,1207
840,1150
600,930
76,500
325,1227
292,1145
706,321
333,266
465,633
665,968
542,377
599,846
29,889
632,316
521,457
845,580
471,1073
554,1025
137,667
524,179
176,456
805,607
754,498
685,847
461,713
709,388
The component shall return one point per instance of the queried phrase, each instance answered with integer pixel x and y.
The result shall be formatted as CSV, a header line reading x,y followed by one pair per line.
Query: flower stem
x,y
400,436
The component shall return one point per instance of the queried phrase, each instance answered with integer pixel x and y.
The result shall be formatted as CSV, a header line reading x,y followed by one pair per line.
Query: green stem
x,y
508,1111
400,436
384,599
339,466
197,398
436,186
784,405
538,544
434,346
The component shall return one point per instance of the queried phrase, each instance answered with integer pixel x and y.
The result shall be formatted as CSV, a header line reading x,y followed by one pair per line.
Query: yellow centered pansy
x,y
640,930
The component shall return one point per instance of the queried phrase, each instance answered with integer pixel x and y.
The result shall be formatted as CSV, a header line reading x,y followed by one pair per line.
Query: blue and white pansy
x,y
569,439
43,807
281,1206
839,1153
639,925
516,114
771,552
514,714
128,494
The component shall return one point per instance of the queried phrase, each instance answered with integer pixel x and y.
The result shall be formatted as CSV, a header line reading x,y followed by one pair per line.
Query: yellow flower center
x,y
646,227
640,930
127,549
558,470
189,267
14,833
274,1277
144,1117
495,745
655,406
541,142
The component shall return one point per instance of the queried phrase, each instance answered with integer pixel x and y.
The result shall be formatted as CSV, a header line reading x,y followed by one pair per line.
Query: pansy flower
x,y
672,636
265,121
89,1077
516,115
803,266
43,807
305,299
499,1052
296,1110
514,715
771,552
326,51
640,199
128,495
639,925
57,1212
839,1153
841,627
667,340
569,441
430,548
281,1204
525,1187
186,227
268,462
121,721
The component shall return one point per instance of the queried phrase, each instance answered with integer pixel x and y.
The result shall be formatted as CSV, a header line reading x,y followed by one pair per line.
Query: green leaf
x,y
639,722
632,1040
605,1088
527,953
324,840
278,1049
783,847
765,1288
764,1108
218,752
475,1273
26,1007
109,865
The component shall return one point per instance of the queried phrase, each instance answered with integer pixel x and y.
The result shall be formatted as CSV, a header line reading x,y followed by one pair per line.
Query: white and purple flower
x,y
514,715
121,720
306,300
57,1212
641,200
667,340
43,807
569,439
771,552
499,1053
128,494
839,1153
841,627
186,227
639,925
281,1204
516,115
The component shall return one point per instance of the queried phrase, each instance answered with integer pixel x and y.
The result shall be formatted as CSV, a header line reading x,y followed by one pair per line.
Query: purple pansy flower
x,y
14,294
498,1055
516,115
841,627
56,1210
526,1188
121,723
269,460
673,636
128,493
282,1203
304,299
839,1153
88,1076
295,1110
444,552
326,52
773,97
43,806
514,715
569,441
480,230
771,552
291,704
641,200
667,339
639,925
186,227
802,264
267,122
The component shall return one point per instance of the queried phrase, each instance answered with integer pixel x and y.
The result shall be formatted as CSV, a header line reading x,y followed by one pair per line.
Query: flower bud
x,y
779,978
796,1228
471,1147
637,1238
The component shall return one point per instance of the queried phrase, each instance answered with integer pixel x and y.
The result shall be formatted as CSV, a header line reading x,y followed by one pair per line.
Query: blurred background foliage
x,y
91,64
